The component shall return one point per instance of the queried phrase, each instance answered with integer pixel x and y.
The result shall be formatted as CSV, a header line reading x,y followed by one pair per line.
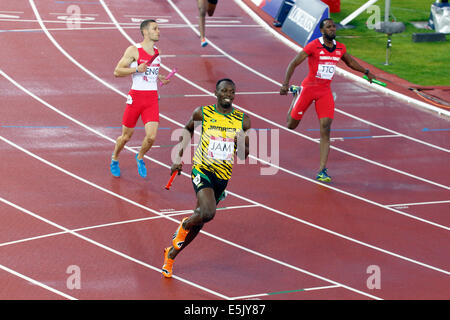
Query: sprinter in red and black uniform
x,y
323,55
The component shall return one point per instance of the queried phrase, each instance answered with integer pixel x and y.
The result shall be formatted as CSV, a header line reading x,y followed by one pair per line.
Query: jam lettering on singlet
x,y
220,148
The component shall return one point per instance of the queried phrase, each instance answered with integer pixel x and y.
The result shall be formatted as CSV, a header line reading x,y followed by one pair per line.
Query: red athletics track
x,y
282,232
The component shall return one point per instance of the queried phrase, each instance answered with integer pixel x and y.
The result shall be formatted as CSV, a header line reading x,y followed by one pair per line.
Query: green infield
x,y
422,63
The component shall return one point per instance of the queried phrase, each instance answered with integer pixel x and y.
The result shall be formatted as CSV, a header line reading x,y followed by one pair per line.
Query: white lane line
x,y
362,137
237,93
222,17
209,21
282,292
340,71
360,80
417,203
9,16
111,224
35,282
163,146
218,209
29,153
78,14
189,55
130,24
144,16
72,29
61,29
230,26
272,122
98,244
65,22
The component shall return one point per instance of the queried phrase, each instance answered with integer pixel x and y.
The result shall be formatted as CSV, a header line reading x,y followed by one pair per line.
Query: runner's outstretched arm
x,y
352,63
290,71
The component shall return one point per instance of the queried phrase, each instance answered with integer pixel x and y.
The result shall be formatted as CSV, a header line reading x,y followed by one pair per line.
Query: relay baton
x,y
174,70
294,89
169,184
174,174
375,81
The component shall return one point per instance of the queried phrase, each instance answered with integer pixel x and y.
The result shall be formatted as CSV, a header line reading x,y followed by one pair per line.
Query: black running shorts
x,y
209,180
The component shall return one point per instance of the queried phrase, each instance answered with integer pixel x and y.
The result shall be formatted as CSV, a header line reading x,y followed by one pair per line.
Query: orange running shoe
x,y
168,264
179,236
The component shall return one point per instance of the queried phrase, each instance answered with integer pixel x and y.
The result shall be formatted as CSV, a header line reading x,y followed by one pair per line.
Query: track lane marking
x,y
35,282
76,177
96,243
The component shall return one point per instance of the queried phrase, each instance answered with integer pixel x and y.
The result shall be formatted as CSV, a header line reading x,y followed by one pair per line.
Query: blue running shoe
x,y
142,170
204,43
323,176
115,169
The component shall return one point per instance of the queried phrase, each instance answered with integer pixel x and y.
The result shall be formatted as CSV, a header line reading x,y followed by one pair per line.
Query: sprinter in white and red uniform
x,y
323,55
142,62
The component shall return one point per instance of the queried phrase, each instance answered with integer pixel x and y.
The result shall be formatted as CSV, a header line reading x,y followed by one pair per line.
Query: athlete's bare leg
x,y
151,129
204,7
204,212
325,128
291,122
126,135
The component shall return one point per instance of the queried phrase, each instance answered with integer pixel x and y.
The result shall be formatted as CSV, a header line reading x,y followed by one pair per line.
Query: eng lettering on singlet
x,y
151,74
326,71
220,148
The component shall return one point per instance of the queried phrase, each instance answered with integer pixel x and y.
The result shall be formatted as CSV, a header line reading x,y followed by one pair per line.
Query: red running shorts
x,y
142,104
323,98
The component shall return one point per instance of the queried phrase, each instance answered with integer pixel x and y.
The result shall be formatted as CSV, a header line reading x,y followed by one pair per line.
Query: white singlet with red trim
x,y
146,80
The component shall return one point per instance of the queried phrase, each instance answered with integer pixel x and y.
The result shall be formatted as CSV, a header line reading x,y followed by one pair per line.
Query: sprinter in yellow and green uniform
x,y
223,135
215,153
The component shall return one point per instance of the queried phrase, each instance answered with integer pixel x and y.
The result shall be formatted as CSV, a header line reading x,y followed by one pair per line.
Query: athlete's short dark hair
x,y
226,80
322,23
144,24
